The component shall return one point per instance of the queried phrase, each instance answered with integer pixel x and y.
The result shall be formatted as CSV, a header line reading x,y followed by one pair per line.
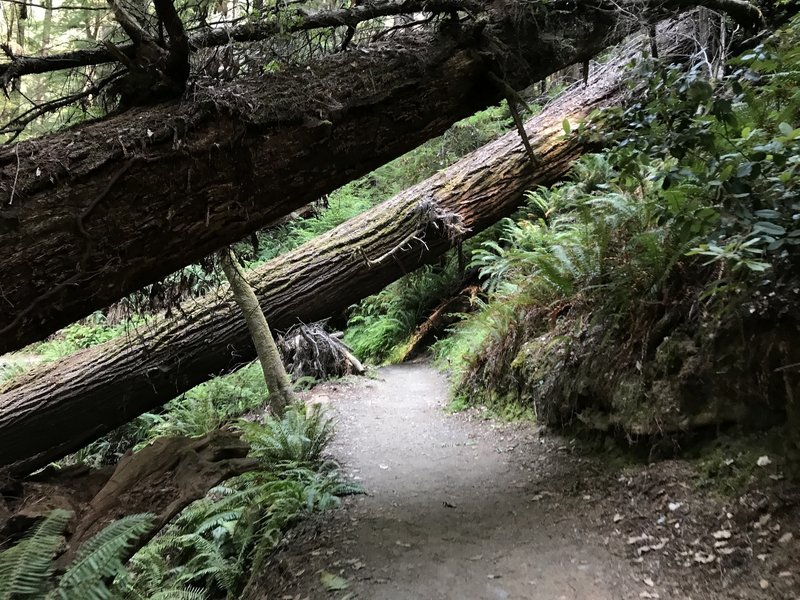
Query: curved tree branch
x,y
177,63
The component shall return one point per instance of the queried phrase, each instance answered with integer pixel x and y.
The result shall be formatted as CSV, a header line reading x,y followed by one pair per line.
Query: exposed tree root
x,y
311,352
162,478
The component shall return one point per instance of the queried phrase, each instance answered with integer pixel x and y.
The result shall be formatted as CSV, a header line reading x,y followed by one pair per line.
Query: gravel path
x,y
452,512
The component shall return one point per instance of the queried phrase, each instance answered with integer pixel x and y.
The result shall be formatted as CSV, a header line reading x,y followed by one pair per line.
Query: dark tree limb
x,y
177,63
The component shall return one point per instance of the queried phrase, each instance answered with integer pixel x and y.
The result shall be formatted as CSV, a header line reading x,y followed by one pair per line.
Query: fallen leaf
x,y
722,534
764,584
333,583
785,538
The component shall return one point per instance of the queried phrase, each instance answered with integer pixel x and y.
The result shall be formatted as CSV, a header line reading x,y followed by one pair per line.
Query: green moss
x,y
728,464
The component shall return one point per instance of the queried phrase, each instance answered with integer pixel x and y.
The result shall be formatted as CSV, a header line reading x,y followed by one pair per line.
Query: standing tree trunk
x,y
278,384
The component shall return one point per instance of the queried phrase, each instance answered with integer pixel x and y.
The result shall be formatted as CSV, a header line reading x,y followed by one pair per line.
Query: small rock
x,y
704,557
763,461
785,538
764,584
722,534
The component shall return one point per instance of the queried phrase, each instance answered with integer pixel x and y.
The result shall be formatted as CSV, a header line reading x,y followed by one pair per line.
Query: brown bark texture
x,y
100,210
162,478
60,407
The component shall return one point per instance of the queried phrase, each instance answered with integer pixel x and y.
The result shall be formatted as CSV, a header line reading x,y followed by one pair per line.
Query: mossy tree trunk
x,y
275,376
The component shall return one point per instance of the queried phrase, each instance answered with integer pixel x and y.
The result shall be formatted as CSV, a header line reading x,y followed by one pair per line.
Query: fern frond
x,y
181,594
100,559
26,567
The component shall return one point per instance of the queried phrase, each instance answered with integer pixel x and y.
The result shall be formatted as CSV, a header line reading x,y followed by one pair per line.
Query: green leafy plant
x,y
218,543
26,569
299,436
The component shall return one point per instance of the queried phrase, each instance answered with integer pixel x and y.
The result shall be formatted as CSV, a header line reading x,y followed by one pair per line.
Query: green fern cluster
x,y
27,569
381,323
597,242
215,544
299,436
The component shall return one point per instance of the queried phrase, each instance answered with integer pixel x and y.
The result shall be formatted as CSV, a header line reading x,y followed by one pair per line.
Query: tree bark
x,y
162,478
275,376
94,213
57,409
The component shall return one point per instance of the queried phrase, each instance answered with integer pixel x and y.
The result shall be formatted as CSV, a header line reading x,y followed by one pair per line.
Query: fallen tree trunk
x,y
60,407
100,210
447,313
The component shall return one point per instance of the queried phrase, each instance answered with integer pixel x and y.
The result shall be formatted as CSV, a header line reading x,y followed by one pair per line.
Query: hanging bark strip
x,y
57,409
231,158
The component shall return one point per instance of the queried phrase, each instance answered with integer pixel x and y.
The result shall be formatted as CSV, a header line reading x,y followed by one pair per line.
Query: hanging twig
x,y
512,97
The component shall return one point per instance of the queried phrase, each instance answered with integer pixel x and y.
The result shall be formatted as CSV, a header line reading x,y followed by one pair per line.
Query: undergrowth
x,y
378,326
689,219
218,402
213,549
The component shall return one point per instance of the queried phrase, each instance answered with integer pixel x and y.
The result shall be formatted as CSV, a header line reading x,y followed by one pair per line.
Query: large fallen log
x,y
98,211
60,407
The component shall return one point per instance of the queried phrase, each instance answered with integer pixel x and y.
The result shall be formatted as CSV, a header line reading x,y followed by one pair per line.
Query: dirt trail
x,y
453,510
460,507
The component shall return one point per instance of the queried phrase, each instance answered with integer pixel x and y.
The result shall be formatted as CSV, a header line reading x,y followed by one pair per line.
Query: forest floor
x,y
461,506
